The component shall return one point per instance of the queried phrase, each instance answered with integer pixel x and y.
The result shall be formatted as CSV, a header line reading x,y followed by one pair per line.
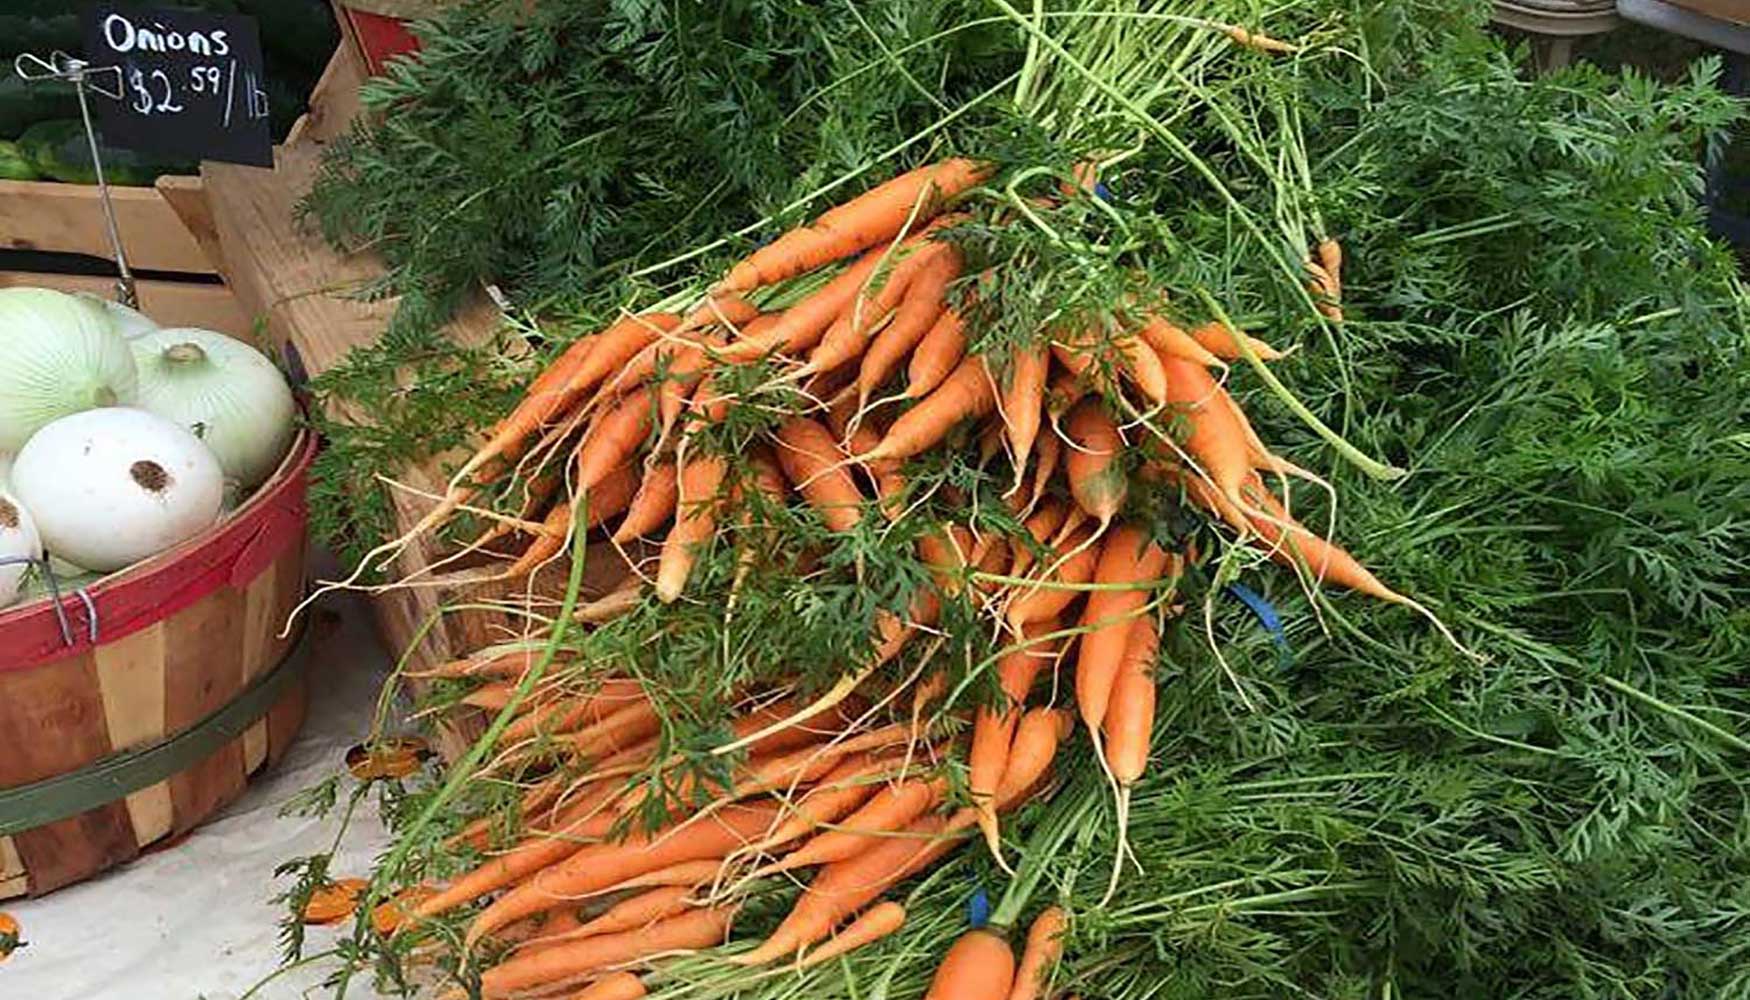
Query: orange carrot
x,y
870,218
624,356
577,371
610,441
1221,342
602,865
1132,711
1168,339
652,505
889,481
844,788
1059,588
917,315
1127,559
1327,561
1044,948
685,875
802,325
993,728
637,911
874,924
1143,365
1215,437
966,394
608,497
813,463
945,551
1330,254
583,820
1041,525
929,267
1258,40
979,966
1065,390
564,716
615,986
689,931
329,904
1030,756
623,728
683,373
700,481
1128,723
936,356
492,697
1050,449
1023,404
844,887
892,808
727,310
1096,474
397,912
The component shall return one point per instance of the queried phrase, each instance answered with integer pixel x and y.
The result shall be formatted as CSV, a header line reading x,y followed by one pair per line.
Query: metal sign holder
x,y
82,75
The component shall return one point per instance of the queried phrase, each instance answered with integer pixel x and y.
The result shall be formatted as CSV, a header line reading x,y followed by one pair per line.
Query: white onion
x,y
110,487
18,540
58,355
228,393
126,322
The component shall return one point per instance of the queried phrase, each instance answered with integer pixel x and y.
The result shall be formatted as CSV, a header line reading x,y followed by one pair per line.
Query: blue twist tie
x,y
1268,618
978,908
1102,192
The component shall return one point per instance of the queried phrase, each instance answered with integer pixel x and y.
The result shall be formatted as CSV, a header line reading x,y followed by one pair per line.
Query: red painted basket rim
x,y
256,532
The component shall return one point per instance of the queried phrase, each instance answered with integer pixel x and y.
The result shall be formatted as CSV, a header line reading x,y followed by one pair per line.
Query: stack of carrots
x,y
615,435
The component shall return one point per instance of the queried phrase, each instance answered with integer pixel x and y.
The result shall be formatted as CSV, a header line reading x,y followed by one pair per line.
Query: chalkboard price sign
x,y
192,82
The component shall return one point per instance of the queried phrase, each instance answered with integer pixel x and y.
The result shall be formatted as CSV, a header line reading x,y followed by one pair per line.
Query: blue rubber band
x,y
1267,617
1102,192
978,908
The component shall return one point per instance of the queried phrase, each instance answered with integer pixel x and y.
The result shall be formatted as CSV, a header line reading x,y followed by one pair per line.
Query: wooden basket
x,y
134,716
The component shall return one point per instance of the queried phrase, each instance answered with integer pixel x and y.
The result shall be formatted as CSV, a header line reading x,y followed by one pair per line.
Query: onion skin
x,y
18,538
228,393
58,355
113,486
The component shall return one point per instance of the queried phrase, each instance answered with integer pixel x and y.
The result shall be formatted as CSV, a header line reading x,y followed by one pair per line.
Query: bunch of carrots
x,y
611,437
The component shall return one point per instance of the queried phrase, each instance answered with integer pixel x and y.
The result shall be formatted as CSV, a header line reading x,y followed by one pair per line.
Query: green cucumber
x,y
13,165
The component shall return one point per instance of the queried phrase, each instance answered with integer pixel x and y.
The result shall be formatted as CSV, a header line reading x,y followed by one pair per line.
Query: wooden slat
x,y
152,812
187,197
11,866
68,218
130,677
286,718
130,680
13,881
53,720
334,101
170,303
261,621
203,643
64,852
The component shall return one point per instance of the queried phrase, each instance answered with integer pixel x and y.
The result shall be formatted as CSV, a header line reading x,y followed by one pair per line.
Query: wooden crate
x,y
154,222
306,295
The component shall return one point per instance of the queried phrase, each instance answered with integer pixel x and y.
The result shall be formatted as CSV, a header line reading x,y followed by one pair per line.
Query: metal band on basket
x,y
121,774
